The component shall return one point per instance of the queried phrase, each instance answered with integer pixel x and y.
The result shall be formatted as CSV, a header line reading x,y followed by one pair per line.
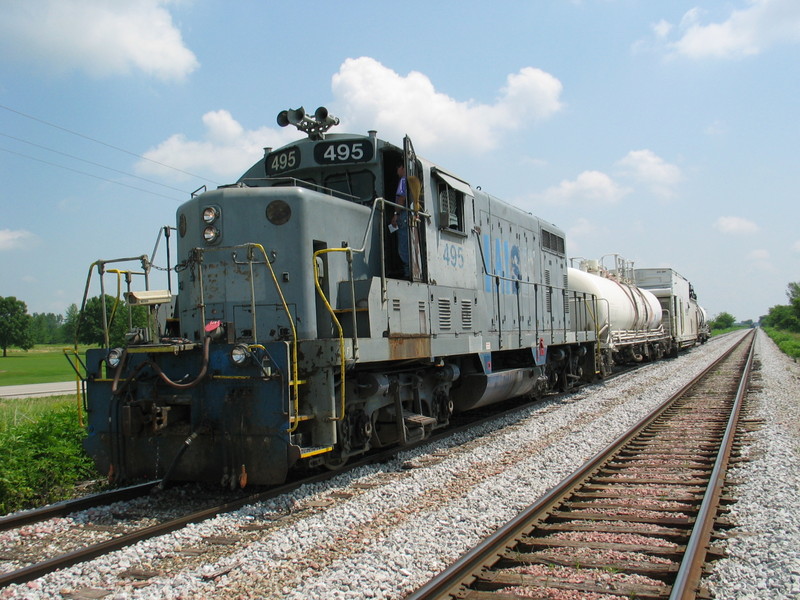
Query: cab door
x,y
416,229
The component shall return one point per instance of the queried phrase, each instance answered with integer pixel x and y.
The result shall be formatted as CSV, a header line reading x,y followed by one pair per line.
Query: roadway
x,y
38,390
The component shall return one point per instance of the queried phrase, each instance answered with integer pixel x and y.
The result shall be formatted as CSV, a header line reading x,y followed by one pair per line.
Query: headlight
x,y
240,354
113,357
210,234
210,214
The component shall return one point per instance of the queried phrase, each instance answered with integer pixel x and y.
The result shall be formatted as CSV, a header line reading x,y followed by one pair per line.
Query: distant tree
x,y
90,322
70,323
723,320
793,292
782,317
15,324
46,328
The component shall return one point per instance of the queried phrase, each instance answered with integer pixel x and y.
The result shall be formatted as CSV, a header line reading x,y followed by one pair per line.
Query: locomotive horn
x,y
323,117
315,128
296,116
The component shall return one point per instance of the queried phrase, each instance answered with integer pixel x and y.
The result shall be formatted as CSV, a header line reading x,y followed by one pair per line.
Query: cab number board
x,y
350,151
282,161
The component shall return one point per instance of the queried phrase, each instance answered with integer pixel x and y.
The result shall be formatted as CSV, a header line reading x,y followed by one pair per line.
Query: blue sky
x,y
667,133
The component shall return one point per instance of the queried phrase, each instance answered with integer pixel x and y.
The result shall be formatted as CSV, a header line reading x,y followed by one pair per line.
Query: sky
x,y
664,132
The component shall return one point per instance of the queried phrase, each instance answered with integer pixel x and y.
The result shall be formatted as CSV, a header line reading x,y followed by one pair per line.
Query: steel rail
x,y
687,581
492,547
37,570
60,509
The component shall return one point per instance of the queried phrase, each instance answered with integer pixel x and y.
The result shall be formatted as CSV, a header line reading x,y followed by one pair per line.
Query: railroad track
x,y
62,509
121,533
634,522
123,537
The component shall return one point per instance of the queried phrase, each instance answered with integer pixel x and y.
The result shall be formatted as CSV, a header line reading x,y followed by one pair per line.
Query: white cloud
x,y
373,96
100,37
225,151
582,228
748,31
796,246
662,29
16,239
716,128
760,261
646,167
735,226
369,96
589,186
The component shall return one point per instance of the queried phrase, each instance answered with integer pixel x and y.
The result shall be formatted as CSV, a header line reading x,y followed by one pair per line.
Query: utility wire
x,y
89,174
86,137
93,163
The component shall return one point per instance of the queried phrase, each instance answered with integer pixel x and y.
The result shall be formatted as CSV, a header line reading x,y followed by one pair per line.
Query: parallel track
x,y
49,565
634,522
46,566
62,509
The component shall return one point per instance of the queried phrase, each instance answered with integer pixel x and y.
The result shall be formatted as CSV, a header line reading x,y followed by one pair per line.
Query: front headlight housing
x,y
210,214
240,354
210,234
114,357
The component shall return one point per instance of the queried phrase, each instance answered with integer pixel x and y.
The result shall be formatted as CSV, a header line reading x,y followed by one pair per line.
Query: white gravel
x,y
385,541
764,549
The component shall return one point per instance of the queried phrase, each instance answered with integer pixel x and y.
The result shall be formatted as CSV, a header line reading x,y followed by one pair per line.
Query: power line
x,y
91,139
93,163
133,187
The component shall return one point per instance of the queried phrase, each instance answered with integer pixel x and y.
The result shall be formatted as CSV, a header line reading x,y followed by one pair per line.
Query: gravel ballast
x,y
383,531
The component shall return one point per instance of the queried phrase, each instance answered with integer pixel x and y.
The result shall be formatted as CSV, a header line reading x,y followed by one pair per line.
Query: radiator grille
x,y
466,314
445,314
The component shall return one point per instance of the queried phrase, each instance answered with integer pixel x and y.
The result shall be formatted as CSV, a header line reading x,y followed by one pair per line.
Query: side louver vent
x,y
445,314
466,314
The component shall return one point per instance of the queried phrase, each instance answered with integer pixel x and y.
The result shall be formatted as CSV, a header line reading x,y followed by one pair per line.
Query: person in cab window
x,y
400,219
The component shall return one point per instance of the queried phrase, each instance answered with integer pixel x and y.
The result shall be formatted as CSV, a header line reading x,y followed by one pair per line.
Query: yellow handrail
x,y
335,320
294,383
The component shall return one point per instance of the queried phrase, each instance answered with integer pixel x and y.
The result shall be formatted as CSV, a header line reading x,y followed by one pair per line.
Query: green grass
x,y
19,411
788,342
41,457
728,330
41,364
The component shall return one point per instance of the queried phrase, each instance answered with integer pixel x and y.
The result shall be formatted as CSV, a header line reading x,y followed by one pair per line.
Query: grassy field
x,y
787,341
41,458
41,364
18,411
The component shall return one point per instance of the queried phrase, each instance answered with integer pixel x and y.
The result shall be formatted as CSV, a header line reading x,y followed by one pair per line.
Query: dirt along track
x,y
382,530
635,521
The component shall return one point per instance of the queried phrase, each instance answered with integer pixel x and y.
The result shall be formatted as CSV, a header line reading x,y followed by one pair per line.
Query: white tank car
x,y
626,317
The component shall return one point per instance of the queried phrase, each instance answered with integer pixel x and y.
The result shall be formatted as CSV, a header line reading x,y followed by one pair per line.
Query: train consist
x,y
346,294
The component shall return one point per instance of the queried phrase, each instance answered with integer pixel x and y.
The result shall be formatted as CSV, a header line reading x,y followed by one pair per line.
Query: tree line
x,y
22,330
785,316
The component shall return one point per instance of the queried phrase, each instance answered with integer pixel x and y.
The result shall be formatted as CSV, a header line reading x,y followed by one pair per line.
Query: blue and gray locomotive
x,y
304,332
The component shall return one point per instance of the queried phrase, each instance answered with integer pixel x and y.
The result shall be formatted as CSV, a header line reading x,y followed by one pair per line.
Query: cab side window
x,y
451,207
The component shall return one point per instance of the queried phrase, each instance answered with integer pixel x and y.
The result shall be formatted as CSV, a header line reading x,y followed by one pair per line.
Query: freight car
x,y
684,318
626,317
344,294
